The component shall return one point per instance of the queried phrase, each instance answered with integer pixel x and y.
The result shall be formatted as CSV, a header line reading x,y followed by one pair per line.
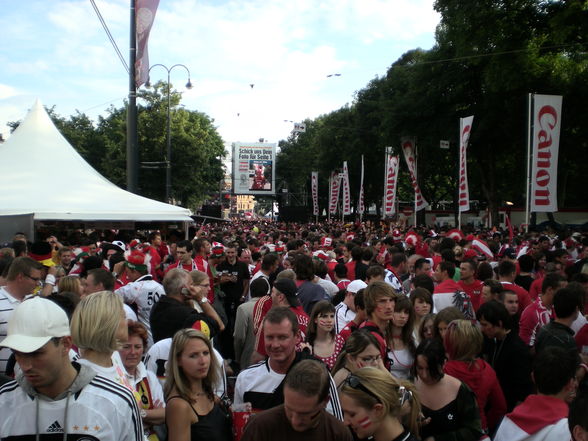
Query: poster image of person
x,y
260,175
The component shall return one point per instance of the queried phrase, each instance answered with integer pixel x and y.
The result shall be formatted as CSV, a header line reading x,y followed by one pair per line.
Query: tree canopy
x,y
489,55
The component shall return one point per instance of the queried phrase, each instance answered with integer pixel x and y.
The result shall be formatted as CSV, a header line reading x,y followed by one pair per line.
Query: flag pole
x,y
416,179
529,136
132,150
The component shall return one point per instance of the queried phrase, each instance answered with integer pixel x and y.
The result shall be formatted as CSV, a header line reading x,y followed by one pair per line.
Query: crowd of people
x,y
326,331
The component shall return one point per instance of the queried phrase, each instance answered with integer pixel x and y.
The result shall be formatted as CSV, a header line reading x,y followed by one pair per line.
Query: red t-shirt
x,y
522,294
474,290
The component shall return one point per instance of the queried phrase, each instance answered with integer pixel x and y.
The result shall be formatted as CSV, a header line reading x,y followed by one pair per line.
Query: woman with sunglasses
x,y
361,350
375,405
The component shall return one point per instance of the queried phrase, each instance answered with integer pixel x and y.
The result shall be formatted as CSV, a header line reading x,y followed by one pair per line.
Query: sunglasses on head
x,y
355,383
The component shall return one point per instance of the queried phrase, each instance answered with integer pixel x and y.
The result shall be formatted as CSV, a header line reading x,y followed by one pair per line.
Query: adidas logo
x,y
55,427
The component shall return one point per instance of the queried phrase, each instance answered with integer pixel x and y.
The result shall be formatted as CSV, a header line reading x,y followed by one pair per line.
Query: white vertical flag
x,y
144,17
334,195
314,188
392,164
360,205
546,127
465,128
346,191
408,149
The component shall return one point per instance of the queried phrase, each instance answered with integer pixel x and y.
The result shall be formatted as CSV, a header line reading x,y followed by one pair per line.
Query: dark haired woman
x,y
448,405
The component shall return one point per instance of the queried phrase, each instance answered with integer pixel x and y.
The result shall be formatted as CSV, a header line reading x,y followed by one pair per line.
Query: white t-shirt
x,y
145,293
7,306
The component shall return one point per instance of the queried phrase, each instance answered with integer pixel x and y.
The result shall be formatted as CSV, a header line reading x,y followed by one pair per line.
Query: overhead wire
x,y
110,37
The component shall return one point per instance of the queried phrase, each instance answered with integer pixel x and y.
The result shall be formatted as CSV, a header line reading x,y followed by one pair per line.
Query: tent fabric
x,y
41,173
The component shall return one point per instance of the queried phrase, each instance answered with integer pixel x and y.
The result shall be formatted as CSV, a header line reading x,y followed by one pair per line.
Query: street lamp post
x,y
168,152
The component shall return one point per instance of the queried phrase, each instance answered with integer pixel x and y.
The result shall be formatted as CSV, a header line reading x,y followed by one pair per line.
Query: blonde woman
x,y
98,329
375,405
193,412
70,284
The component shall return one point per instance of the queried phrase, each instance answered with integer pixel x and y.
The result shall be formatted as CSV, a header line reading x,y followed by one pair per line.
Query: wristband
x,y
50,279
203,300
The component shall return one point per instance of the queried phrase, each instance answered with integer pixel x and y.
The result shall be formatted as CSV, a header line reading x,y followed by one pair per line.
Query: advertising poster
x,y
253,168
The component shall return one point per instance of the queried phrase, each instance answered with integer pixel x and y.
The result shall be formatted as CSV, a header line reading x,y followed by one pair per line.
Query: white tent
x,y
42,174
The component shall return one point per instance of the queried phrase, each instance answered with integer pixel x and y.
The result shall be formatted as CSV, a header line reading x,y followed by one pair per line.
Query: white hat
x,y
356,285
33,323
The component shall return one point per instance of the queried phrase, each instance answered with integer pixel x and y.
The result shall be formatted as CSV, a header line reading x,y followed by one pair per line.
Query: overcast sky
x,y
58,51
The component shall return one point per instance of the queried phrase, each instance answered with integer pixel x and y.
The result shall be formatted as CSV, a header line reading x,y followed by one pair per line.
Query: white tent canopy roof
x,y
43,174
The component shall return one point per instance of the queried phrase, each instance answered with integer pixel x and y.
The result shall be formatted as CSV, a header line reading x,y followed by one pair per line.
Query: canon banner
x,y
465,128
546,126
392,164
360,205
408,149
144,17
253,168
314,189
346,191
334,193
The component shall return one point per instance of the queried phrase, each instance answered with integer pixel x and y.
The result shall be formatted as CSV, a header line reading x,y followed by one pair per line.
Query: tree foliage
x,y
489,55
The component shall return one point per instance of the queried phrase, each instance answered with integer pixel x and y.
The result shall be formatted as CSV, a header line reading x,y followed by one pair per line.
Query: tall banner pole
x,y
388,152
132,149
361,205
416,179
529,159
330,196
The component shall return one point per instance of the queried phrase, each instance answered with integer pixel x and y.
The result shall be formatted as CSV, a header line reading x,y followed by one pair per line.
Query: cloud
x,y
59,51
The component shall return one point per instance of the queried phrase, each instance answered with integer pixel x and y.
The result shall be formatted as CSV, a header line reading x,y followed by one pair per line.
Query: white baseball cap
x,y
356,285
33,323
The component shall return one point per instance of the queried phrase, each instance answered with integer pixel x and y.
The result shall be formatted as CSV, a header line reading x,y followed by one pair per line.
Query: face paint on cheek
x,y
323,322
365,423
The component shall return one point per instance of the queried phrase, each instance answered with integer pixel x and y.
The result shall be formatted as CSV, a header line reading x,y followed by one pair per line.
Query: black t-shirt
x,y
169,315
233,290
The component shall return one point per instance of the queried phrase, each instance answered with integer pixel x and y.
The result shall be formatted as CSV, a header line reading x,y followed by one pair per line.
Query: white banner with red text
x,y
408,147
546,127
314,189
465,128
392,164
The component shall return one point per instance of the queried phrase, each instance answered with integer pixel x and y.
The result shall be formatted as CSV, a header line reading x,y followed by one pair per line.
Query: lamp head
x,y
189,84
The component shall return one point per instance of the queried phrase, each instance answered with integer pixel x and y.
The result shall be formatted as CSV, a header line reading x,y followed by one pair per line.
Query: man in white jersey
x,y
53,395
142,289
24,275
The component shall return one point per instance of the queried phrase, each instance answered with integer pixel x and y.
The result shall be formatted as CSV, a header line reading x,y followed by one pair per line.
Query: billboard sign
x,y
254,168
